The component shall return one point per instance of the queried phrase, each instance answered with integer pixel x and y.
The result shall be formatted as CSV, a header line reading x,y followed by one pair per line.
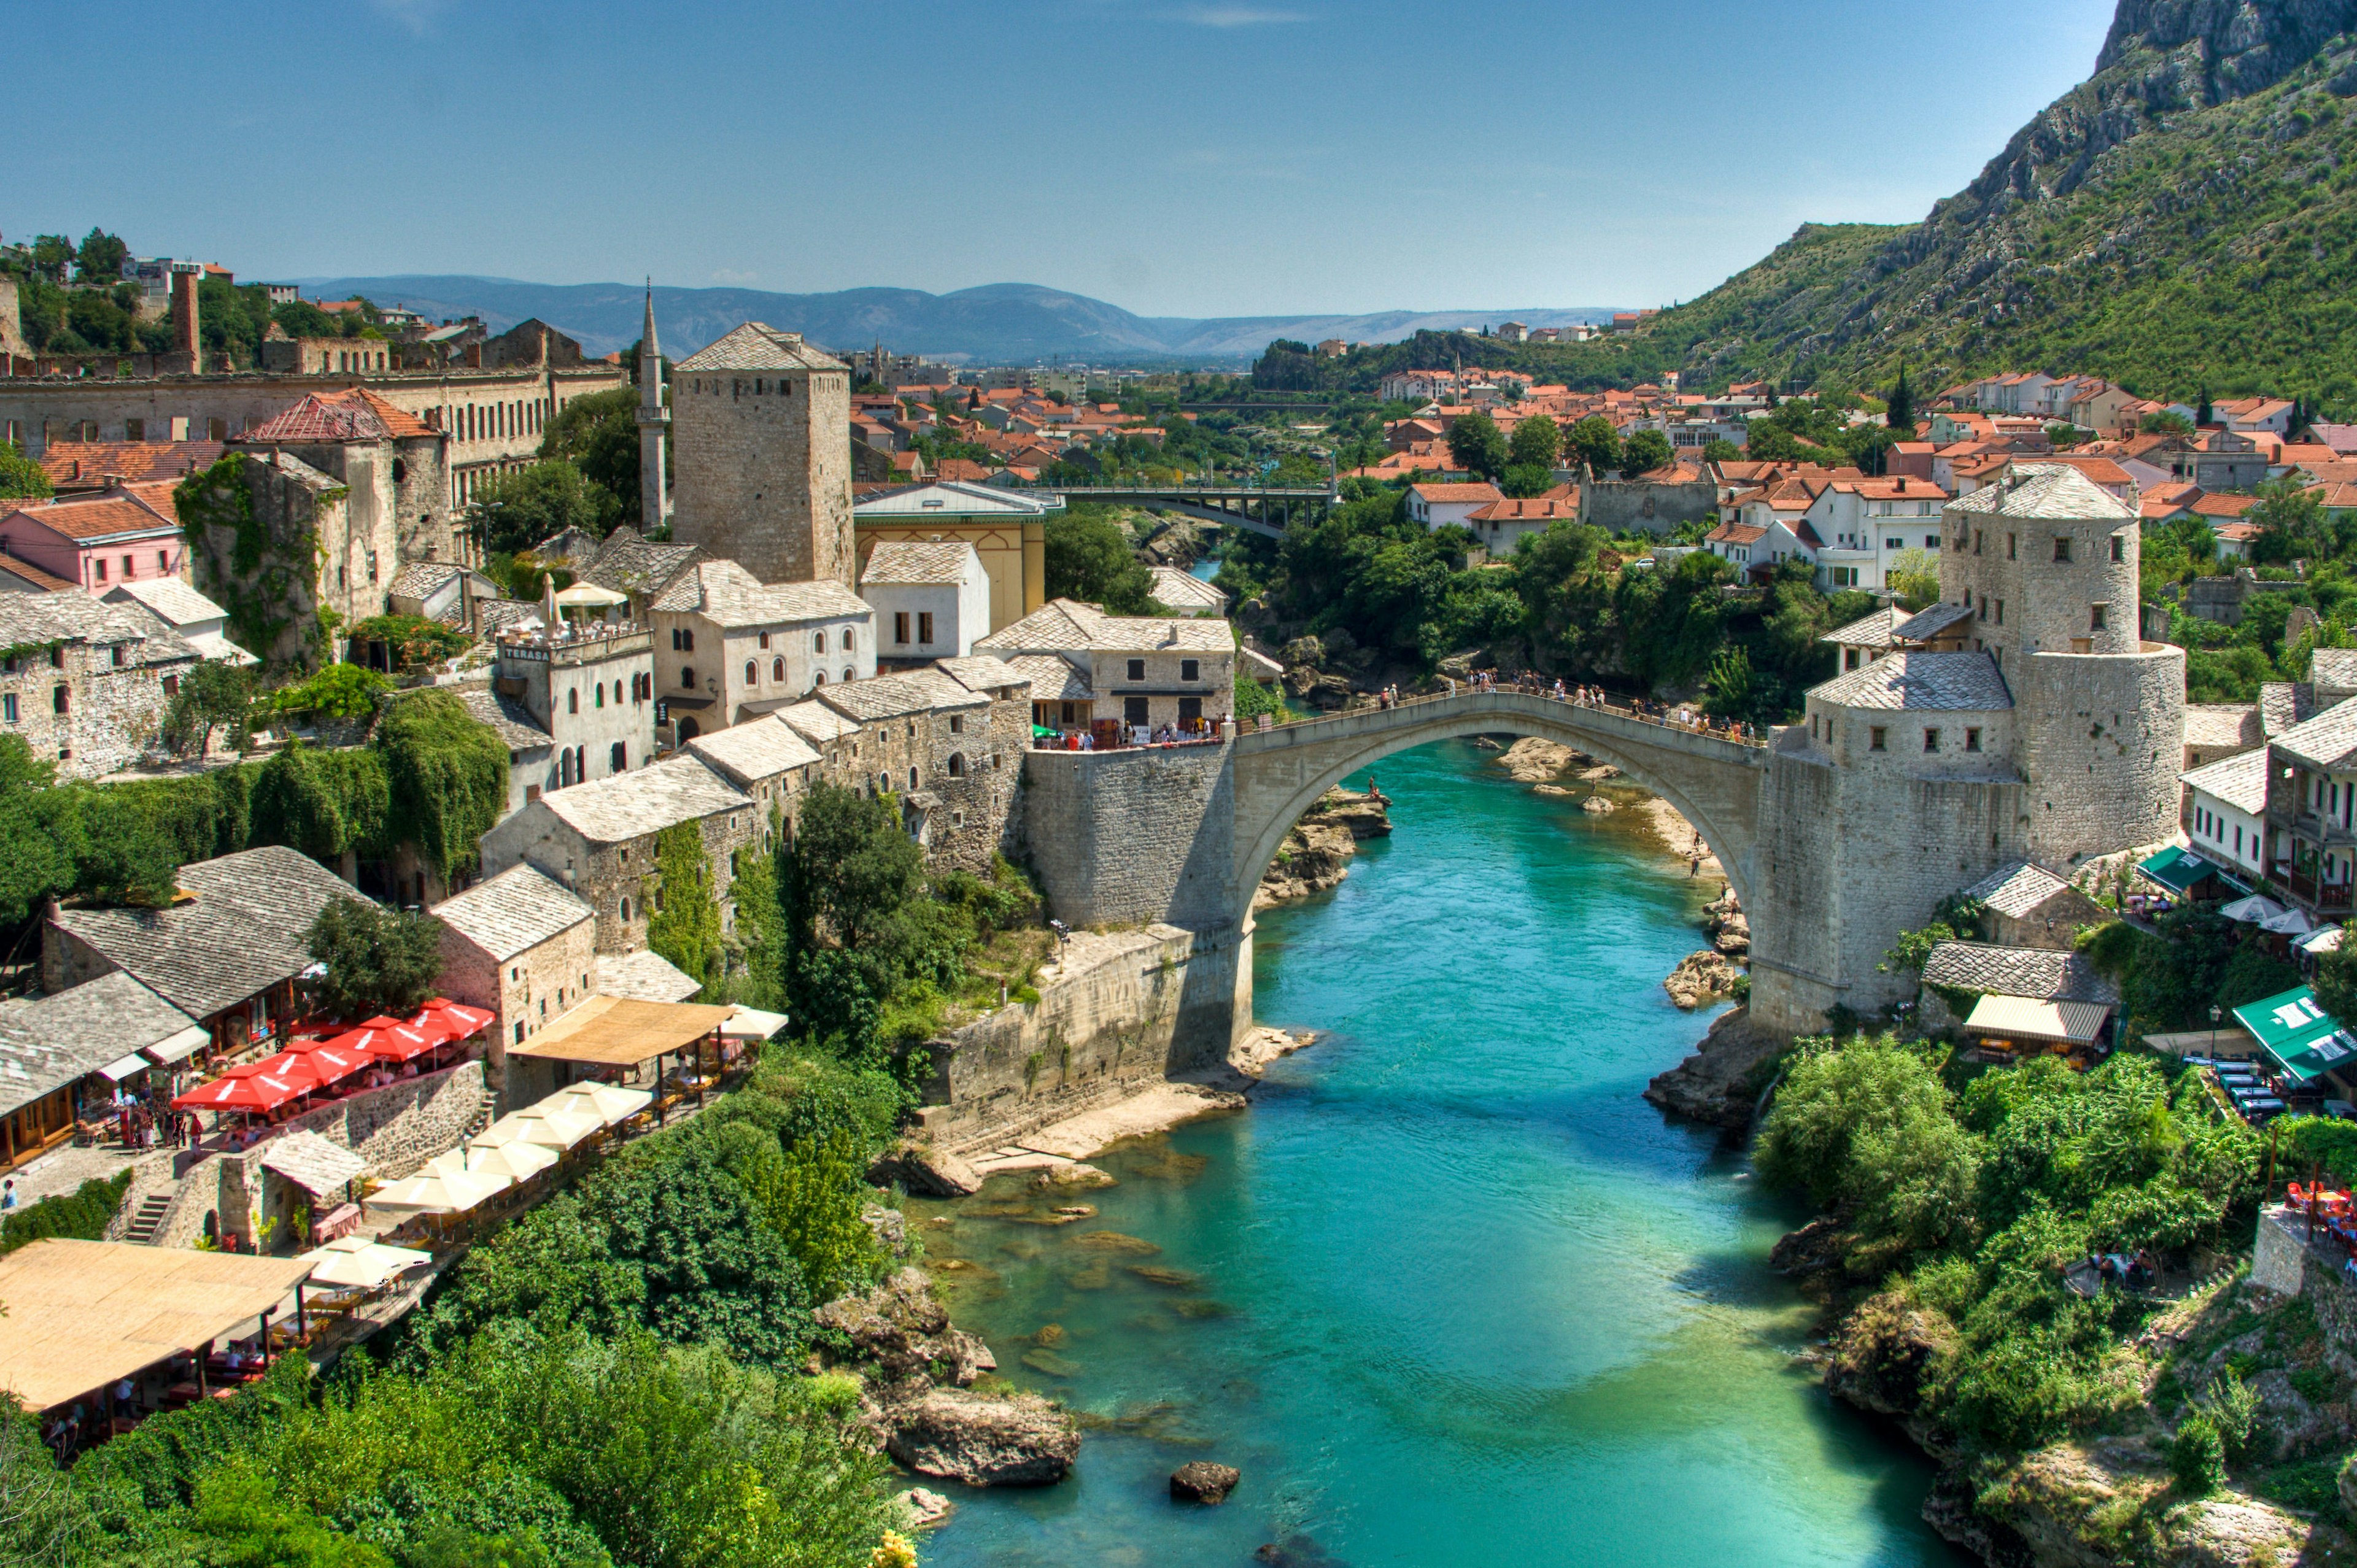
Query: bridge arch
x,y
1712,782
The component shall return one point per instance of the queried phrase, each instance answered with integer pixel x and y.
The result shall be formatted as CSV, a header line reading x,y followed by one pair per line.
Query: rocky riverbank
x,y
1316,854
1721,1084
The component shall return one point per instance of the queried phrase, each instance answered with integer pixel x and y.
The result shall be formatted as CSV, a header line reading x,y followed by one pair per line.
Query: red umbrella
x,y
456,1019
388,1038
257,1092
329,1063
286,1065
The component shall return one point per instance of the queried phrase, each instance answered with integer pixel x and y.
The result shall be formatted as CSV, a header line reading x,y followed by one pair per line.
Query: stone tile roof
x,y
1930,622
313,1163
630,805
2283,704
168,599
2240,780
506,615
728,595
1061,625
981,671
758,748
643,976
2045,492
1868,631
758,346
1182,590
420,579
520,909
2015,890
816,723
950,498
907,564
510,720
2043,975
70,614
2326,741
895,696
1053,679
85,1027
1928,682
630,565
2222,724
2335,667
242,933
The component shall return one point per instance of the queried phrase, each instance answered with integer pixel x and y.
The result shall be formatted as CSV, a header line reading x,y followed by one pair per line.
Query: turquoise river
x,y
1450,1293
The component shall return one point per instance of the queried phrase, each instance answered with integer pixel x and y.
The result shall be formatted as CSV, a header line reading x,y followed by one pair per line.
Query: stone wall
x,y
112,711
765,480
613,880
1645,506
1116,1011
2102,740
1126,837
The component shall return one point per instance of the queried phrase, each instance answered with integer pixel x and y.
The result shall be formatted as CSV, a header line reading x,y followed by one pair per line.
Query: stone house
x,y
84,681
1007,529
60,1050
521,944
194,618
2026,905
767,759
589,687
931,600
532,755
729,647
600,840
2311,781
1956,972
2225,811
226,955
395,466
126,533
761,459
950,746
1161,671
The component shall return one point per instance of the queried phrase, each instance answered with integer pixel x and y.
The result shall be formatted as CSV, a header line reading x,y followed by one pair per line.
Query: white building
x,y
931,600
201,623
1437,506
729,646
2225,811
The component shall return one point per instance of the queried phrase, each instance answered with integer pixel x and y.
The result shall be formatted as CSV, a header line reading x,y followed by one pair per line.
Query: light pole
x,y
2213,1031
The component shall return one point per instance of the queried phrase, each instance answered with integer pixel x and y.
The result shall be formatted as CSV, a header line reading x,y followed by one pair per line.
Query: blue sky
x,y
1176,158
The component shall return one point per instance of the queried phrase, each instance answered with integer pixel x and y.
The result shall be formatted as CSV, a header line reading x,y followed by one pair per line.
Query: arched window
x,y
819,679
912,779
687,680
849,673
848,645
626,906
601,700
777,671
819,642
884,783
572,701
752,672
957,765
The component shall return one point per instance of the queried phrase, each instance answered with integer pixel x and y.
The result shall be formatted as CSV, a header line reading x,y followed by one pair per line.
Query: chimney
x,y
186,276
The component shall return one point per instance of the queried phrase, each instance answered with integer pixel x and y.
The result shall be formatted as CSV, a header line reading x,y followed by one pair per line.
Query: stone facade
x,y
526,954
304,516
86,683
593,695
1124,837
1646,506
760,426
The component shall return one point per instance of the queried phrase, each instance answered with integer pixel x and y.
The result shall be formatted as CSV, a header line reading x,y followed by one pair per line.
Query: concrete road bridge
x,y
1258,509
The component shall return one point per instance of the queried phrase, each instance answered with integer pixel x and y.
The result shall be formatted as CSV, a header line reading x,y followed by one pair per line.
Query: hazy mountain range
x,y
1006,323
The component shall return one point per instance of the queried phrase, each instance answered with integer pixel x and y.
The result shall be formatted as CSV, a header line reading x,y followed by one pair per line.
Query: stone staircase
x,y
148,1217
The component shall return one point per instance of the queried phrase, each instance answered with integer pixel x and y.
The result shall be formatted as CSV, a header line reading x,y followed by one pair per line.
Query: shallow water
x,y
1450,1293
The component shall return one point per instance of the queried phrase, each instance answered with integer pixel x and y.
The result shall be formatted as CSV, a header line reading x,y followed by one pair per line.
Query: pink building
x,y
127,534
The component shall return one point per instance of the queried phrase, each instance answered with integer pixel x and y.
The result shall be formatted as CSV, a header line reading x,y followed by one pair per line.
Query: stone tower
x,y
764,465
654,427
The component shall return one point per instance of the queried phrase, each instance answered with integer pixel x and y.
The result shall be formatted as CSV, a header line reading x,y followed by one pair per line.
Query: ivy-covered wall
x,y
252,527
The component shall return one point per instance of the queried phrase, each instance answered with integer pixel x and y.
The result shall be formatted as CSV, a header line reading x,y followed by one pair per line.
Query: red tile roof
x,y
88,462
355,413
1452,493
2224,506
105,516
1736,533
25,570
1535,508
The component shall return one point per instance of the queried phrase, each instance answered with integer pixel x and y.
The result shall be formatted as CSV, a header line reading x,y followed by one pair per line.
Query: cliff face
x,y
2185,214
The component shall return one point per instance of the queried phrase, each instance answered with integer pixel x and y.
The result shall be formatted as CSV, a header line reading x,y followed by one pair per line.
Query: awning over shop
x,y
2304,1039
179,1047
116,1071
2028,1018
2180,870
607,1031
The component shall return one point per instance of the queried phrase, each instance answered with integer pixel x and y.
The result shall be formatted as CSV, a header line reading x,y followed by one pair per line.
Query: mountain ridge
x,y
1000,323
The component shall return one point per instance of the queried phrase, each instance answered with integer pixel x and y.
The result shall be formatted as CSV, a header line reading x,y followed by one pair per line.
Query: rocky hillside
x,y
2186,217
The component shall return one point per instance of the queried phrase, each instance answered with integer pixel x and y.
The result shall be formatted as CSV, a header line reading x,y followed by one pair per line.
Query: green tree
x,y
685,924
1900,413
1537,441
2164,421
1476,444
515,510
1647,451
1595,442
600,436
1523,480
213,693
1915,577
1089,559
2290,519
2335,983
51,255
378,960
20,477
99,257
1717,449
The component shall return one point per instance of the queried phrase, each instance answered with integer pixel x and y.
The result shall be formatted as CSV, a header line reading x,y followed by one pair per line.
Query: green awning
x,y
1041,731
2179,869
2304,1040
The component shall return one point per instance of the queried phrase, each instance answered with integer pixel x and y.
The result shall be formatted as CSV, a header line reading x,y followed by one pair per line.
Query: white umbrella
x,y
2251,909
558,1128
518,1160
2319,941
603,1100
2290,923
367,1264
441,1191
589,595
752,1024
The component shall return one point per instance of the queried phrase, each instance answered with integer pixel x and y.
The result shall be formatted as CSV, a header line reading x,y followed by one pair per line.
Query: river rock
x,y
1020,1440
1598,806
1078,1177
1703,976
1877,1357
920,1168
889,1226
1201,1481
905,1332
1156,1274
1531,760
1047,1362
1050,1334
923,1509
1551,789
1725,1076
1114,1241
1603,772
1316,854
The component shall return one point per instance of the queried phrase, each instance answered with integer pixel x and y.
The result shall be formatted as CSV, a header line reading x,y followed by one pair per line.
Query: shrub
x,y
2197,1455
340,691
83,1215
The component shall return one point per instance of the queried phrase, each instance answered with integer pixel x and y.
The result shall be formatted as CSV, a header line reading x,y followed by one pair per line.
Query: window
x,y
371,565
130,567
957,765
777,671
135,430
1874,738
572,701
848,644
598,694
621,759
2010,540
752,672
818,643
849,673
1931,542
2061,549
819,679
163,563
1976,541
58,699
115,655
912,779
884,783
2119,547
626,906
2096,616
519,1039
900,627
1930,740
924,626
1137,669
2000,612
1190,669
957,724
1972,740
675,646
1133,710
97,565
8,708
687,679
57,658
1190,710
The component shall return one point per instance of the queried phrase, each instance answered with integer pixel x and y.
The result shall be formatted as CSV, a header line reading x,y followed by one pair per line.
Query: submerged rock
x,y
1598,806
1201,1481
1114,1241
920,1168
924,1509
1079,1177
1021,1440
1047,1362
1156,1274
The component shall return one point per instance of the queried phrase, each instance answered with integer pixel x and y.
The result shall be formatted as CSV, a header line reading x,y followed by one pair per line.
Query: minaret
x,y
654,427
